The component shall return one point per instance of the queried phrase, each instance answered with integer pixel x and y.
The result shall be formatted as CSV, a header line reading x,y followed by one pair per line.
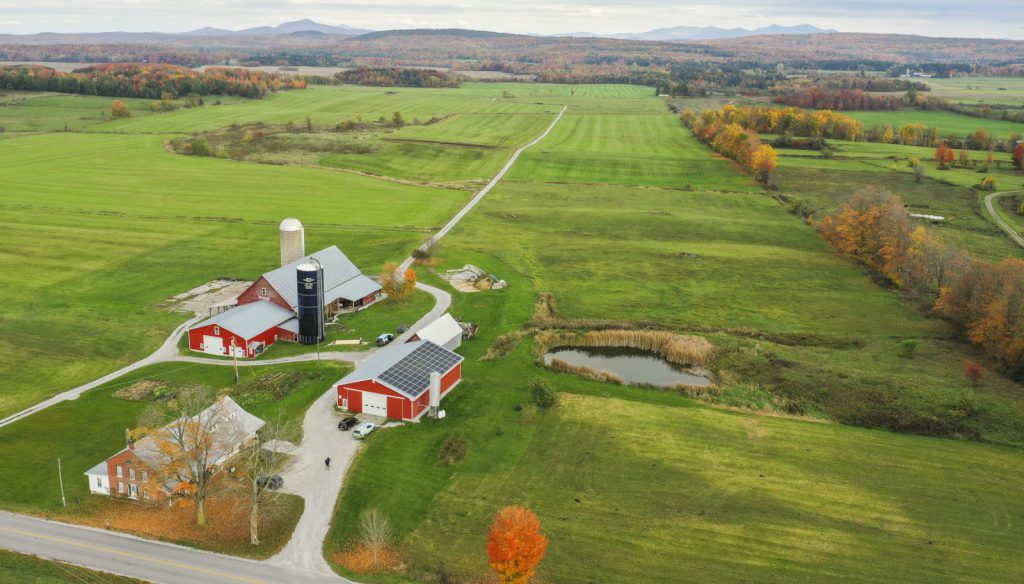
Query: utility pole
x,y
60,477
234,356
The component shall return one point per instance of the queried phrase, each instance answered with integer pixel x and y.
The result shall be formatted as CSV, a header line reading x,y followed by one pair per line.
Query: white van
x,y
360,431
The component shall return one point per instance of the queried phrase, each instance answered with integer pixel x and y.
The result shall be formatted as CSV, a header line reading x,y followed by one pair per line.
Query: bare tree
x,y
374,532
258,461
199,437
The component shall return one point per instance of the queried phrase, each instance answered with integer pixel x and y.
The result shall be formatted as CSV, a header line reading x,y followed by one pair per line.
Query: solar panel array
x,y
412,373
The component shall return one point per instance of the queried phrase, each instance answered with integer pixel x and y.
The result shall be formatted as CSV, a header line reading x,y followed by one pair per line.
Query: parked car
x,y
346,424
273,483
385,339
402,328
360,431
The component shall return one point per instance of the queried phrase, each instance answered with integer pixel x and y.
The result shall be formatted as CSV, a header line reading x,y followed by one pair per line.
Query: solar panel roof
x,y
407,367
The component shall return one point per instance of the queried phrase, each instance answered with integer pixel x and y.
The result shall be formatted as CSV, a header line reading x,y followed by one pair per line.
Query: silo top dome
x,y
291,224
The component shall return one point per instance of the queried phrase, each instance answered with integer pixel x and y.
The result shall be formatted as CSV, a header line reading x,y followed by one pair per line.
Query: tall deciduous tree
x,y
515,545
118,109
257,462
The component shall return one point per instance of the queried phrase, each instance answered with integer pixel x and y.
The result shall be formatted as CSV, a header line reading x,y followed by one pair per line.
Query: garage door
x,y
213,345
375,404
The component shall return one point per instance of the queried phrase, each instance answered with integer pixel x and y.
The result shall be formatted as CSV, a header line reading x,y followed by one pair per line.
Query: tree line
x,y
985,300
735,141
399,77
146,81
838,99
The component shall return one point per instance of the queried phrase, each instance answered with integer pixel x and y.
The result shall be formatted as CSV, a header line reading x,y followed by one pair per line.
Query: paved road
x,y
483,192
135,557
999,220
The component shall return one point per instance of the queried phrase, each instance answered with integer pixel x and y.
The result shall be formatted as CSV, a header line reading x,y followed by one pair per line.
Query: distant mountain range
x,y
297,26
309,28
697,33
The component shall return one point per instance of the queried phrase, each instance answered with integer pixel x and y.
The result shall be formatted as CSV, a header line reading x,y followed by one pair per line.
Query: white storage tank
x,y
293,241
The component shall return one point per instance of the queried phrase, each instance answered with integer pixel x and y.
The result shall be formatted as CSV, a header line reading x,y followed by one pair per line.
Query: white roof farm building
x,y
396,382
265,311
249,328
445,331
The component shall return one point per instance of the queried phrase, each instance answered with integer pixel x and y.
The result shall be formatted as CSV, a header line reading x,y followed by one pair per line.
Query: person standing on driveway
x,y
327,463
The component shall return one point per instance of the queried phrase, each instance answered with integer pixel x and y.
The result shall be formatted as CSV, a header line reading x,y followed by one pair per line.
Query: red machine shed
x,y
395,383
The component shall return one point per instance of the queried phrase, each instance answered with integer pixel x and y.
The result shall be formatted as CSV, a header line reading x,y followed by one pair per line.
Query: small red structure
x,y
249,329
396,382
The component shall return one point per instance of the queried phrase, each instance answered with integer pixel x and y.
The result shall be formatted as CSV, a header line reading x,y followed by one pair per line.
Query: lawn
x,y
84,432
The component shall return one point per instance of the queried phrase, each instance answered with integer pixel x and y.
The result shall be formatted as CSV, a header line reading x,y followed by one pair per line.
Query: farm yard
x,y
801,461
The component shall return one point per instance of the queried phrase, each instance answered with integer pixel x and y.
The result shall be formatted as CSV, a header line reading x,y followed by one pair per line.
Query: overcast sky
x,y
995,18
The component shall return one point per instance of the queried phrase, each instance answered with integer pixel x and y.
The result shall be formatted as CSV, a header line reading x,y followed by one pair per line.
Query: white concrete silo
x,y
293,241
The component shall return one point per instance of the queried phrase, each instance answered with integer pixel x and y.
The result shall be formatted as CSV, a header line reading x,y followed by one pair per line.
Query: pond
x,y
634,366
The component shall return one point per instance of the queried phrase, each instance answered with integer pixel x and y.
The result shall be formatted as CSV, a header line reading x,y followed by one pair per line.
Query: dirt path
x,y
483,192
1014,235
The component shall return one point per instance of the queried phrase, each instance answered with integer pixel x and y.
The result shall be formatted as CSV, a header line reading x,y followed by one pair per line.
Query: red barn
x,y
395,383
252,327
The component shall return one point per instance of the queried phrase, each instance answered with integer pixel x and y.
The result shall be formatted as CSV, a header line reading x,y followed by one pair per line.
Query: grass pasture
x,y
627,149
992,90
948,123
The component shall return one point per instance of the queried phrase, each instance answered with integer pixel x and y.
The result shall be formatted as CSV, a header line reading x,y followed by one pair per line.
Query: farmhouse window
x,y
263,291
99,482
120,487
120,471
145,476
131,474
216,330
145,494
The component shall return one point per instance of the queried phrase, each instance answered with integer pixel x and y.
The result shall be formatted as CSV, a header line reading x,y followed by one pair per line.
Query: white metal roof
x,y
354,289
99,469
441,331
338,270
405,368
249,320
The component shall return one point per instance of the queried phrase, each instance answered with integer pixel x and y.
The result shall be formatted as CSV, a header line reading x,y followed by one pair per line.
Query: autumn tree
x,y
259,460
188,447
944,155
764,162
965,158
515,545
374,532
119,110
1018,156
973,372
395,283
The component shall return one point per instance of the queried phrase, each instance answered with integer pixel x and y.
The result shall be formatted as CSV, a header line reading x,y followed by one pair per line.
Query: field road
x,y
999,219
483,192
135,557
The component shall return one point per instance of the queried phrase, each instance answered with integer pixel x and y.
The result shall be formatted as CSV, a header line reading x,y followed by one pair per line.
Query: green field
x,y
624,218
948,123
685,489
982,90
826,182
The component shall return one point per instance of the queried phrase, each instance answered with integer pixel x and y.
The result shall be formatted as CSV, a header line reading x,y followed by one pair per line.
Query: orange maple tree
x,y
515,544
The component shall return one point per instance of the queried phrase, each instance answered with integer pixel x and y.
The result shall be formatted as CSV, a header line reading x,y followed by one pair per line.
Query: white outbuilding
x,y
445,332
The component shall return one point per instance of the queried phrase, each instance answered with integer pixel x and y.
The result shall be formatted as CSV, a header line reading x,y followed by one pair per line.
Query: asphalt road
x,y
999,220
135,557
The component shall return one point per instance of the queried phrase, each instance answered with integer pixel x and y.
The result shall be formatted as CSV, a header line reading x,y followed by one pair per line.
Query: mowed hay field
x,y
947,122
99,228
994,90
639,485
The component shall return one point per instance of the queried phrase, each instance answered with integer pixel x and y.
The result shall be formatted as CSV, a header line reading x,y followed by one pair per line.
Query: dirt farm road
x,y
990,207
